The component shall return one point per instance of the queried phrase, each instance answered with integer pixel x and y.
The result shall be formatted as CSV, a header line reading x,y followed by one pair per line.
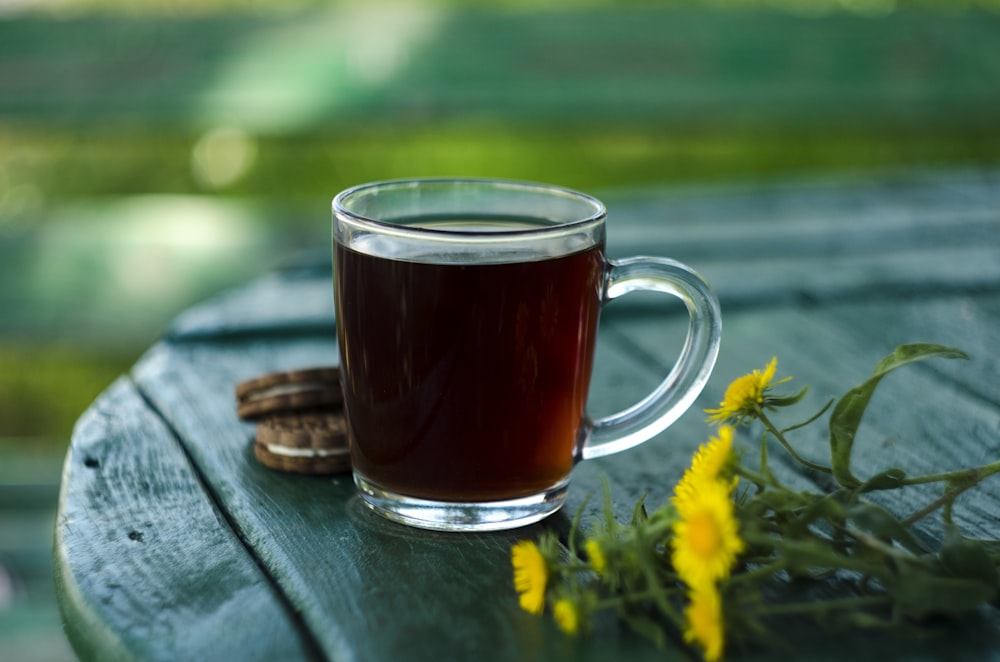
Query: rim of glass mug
x,y
565,212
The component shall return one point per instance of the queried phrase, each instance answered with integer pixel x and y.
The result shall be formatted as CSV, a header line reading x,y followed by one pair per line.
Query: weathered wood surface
x,y
139,541
828,276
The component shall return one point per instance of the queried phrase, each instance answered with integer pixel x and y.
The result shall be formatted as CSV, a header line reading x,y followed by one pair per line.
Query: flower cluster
x,y
706,540
729,551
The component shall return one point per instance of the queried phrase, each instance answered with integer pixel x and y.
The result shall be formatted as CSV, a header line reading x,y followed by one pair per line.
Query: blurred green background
x,y
155,153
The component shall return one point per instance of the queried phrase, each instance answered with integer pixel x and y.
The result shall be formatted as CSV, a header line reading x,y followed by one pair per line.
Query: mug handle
x,y
658,410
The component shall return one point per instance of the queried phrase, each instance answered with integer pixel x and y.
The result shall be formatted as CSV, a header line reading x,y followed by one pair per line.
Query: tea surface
x,y
466,382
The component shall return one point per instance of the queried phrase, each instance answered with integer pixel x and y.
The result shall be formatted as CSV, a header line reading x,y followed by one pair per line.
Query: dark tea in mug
x,y
474,376
467,315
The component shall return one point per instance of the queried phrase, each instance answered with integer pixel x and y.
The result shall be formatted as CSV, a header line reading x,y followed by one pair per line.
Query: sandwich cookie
x,y
290,390
306,443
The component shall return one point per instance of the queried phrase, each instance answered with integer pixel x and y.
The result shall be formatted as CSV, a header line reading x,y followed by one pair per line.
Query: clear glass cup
x,y
467,312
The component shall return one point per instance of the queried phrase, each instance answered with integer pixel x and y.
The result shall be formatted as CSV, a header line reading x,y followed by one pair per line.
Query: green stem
x,y
784,442
570,568
641,596
756,478
763,460
654,528
969,477
883,548
811,419
823,606
972,475
816,556
763,571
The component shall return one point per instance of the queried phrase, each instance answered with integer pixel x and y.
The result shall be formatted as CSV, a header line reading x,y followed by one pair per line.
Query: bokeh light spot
x,y
223,156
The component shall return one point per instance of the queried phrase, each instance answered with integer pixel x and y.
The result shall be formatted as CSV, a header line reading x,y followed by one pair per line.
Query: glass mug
x,y
467,312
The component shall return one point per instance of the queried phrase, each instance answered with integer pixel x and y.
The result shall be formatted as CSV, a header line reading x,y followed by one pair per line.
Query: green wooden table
x,y
173,543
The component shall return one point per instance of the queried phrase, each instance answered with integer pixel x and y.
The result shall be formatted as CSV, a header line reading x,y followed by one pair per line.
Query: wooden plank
x,y
146,567
822,240
271,305
970,322
713,212
841,215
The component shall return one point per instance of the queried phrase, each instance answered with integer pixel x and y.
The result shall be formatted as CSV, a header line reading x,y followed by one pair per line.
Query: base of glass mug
x,y
461,516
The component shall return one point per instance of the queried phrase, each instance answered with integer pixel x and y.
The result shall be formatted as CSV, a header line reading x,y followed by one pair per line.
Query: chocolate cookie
x,y
308,443
290,390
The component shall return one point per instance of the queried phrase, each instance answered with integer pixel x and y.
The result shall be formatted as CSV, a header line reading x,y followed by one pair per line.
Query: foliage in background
x,y
45,387
53,165
807,7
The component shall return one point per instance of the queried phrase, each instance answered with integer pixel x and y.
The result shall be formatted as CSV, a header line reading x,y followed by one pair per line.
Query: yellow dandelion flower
x,y
712,456
706,538
566,615
744,394
704,621
596,555
708,463
530,575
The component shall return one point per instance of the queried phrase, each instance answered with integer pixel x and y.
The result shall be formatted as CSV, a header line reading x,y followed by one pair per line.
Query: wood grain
x,y
146,566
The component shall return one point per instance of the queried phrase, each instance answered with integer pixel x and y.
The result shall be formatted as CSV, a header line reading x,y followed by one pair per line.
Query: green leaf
x,y
967,558
826,508
780,501
889,479
991,546
786,401
854,618
919,593
807,557
575,527
639,514
847,413
911,353
879,522
610,523
647,627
